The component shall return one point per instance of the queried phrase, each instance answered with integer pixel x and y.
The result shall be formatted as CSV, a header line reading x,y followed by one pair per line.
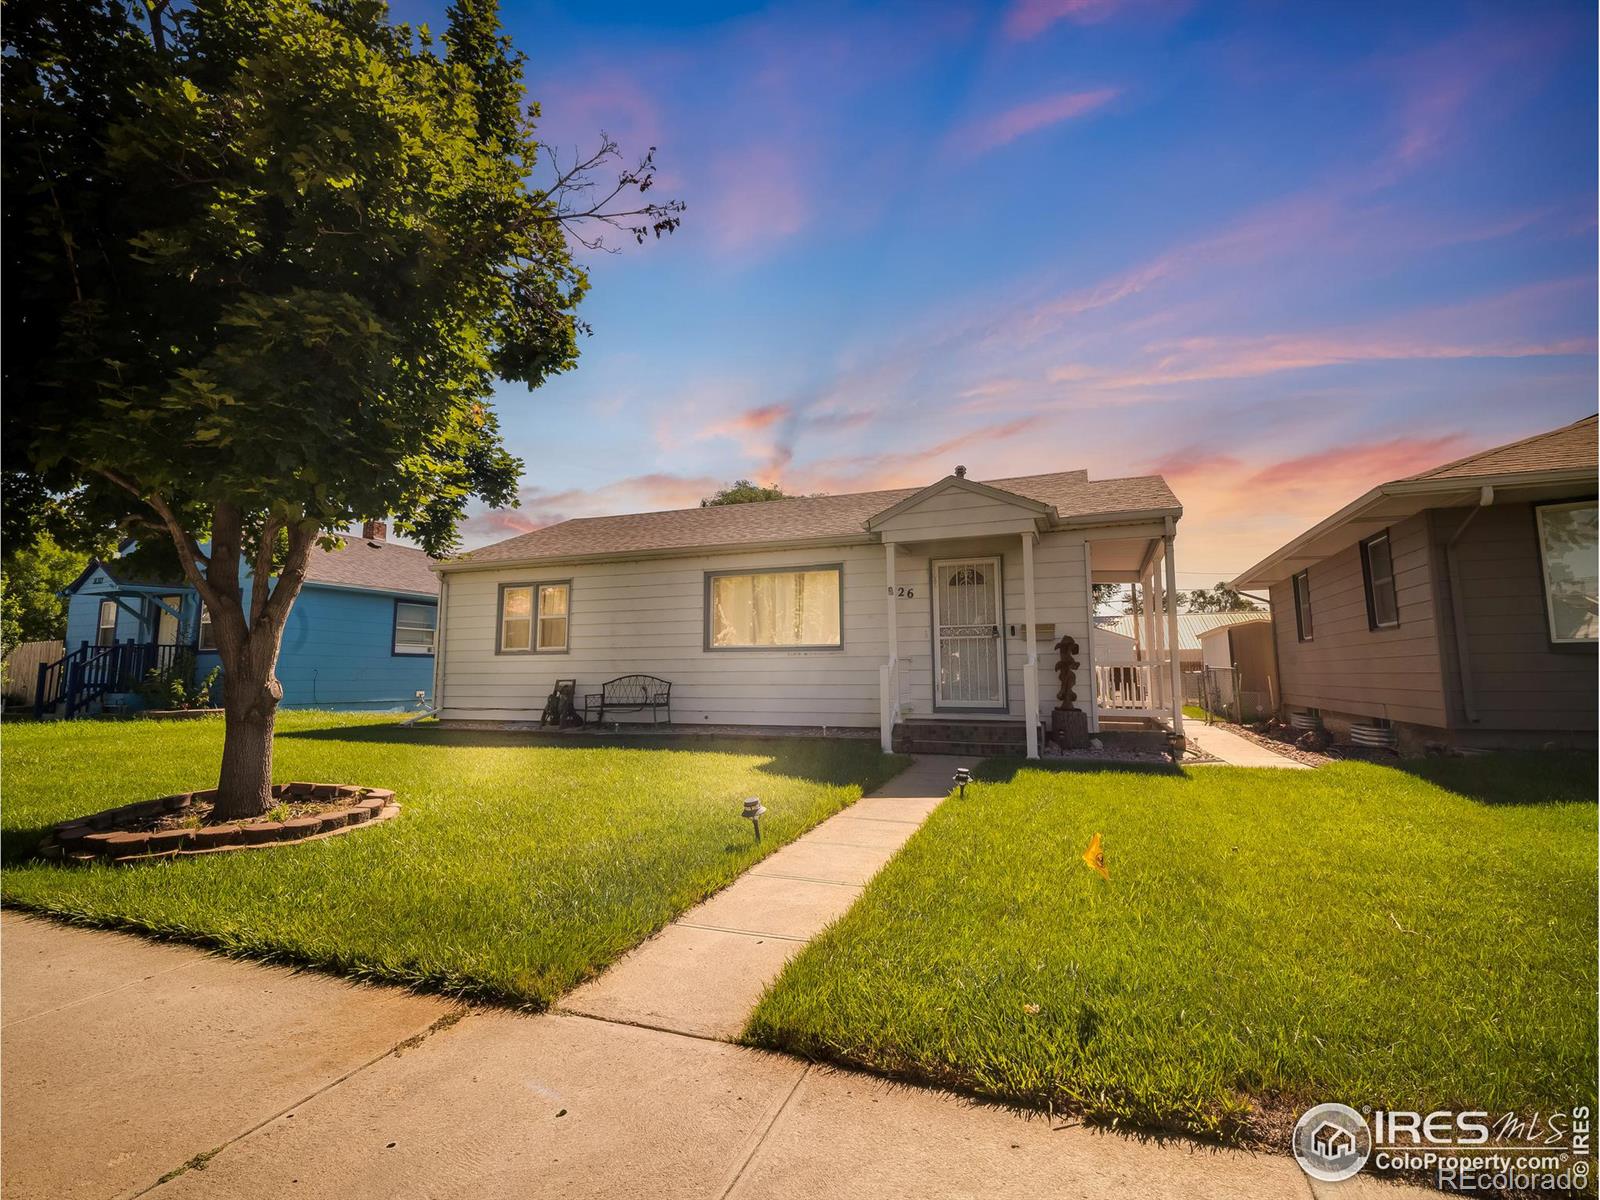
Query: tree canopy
x,y
265,260
743,491
1220,598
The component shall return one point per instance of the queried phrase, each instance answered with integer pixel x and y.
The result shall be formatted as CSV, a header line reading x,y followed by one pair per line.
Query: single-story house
x,y
1455,607
920,611
360,635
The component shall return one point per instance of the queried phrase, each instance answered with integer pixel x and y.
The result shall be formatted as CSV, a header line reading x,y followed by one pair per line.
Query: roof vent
x,y
961,472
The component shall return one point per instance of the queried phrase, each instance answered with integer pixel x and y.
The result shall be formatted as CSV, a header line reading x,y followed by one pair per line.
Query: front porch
x,y
981,585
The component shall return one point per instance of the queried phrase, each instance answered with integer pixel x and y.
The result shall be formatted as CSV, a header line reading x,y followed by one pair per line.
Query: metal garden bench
x,y
630,693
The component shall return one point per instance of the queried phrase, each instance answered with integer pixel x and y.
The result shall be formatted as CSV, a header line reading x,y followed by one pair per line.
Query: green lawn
x,y
1267,939
514,871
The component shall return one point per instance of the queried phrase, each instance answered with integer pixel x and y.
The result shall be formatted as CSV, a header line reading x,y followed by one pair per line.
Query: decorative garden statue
x,y
1069,725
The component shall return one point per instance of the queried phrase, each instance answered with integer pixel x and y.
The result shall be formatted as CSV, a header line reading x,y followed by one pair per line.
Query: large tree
x,y
743,491
1217,599
264,262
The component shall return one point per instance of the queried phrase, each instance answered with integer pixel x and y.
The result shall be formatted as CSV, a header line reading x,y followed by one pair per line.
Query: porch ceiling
x,y
1118,560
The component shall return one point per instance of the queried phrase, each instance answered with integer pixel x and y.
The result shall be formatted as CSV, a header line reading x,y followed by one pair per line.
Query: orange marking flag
x,y
1095,857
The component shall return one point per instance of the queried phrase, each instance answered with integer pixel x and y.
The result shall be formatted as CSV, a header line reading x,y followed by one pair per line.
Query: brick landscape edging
x,y
99,838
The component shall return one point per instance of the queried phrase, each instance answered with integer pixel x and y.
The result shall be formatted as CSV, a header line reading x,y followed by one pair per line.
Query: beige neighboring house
x,y
1455,607
919,613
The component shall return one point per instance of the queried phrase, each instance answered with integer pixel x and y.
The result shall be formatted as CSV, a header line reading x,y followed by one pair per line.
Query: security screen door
x,y
969,653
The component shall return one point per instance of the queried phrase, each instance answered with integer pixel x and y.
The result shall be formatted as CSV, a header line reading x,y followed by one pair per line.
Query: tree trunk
x,y
250,708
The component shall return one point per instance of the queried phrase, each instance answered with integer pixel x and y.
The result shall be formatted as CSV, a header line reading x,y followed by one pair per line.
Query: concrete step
x,y
970,749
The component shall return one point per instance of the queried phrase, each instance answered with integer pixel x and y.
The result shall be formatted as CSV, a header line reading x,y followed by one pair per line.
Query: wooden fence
x,y
22,668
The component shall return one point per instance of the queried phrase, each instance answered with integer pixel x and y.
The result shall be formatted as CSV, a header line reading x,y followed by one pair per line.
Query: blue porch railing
x,y
91,672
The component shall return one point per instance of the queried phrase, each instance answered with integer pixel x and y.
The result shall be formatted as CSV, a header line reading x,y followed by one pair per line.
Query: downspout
x,y
1458,619
439,641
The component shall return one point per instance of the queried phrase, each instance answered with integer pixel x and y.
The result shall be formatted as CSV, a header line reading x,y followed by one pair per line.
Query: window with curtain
x,y
414,627
533,617
1567,548
763,610
205,641
553,599
106,627
1377,573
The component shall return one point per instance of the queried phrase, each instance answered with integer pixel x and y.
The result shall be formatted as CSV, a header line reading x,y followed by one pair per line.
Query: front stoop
x,y
978,739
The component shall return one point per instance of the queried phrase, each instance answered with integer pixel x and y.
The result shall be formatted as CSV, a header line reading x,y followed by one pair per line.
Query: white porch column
x,y
889,673
1093,706
1030,670
1172,632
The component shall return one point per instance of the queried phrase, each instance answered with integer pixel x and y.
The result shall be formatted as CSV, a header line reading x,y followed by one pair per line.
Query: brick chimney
x,y
375,531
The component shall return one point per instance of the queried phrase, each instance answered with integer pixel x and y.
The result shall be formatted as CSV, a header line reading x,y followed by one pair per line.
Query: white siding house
x,y
862,611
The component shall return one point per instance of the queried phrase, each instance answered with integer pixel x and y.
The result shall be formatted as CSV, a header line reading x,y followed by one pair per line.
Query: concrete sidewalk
x,y
132,1067
1234,750
703,973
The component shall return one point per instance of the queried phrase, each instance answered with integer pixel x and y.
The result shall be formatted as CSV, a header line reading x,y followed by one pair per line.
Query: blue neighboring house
x,y
360,635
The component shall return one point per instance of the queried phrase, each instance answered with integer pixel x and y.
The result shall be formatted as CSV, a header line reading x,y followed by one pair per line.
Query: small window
x,y
1377,573
1302,605
771,610
414,627
105,633
533,618
553,616
205,641
1567,547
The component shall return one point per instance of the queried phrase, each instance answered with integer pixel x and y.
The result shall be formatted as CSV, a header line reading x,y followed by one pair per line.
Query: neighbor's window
x,y
106,628
205,641
1567,552
533,617
1377,572
1302,605
413,627
774,609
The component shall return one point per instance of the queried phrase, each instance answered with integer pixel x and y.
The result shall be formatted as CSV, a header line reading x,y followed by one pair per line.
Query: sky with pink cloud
x,y
1278,253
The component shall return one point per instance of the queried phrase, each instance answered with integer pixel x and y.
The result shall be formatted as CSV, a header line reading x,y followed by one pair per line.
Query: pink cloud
x,y
1003,128
757,196
540,507
1029,18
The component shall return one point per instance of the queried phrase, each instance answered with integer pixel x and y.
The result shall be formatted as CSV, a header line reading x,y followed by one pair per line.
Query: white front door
x,y
969,653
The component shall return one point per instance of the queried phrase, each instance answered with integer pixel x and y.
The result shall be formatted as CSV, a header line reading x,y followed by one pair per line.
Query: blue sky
x,y
1277,252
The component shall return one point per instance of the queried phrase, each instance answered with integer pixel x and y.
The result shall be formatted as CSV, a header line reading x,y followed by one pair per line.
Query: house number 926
x,y
903,593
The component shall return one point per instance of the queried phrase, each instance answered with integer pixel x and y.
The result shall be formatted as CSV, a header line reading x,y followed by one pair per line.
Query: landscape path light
x,y
753,811
961,778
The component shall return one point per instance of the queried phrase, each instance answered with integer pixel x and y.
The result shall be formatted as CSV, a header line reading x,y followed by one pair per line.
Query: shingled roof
x,y
1572,447
802,519
378,566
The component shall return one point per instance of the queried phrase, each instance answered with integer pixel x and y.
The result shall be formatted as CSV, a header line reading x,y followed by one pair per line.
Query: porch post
x,y
1172,631
1088,645
889,673
1030,669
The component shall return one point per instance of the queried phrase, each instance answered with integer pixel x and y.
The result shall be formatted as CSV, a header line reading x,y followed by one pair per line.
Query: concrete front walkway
x,y
1234,750
703,974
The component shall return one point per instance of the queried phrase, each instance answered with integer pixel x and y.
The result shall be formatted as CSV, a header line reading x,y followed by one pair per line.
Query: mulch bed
x,y
181,824
1281,739
1141,757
